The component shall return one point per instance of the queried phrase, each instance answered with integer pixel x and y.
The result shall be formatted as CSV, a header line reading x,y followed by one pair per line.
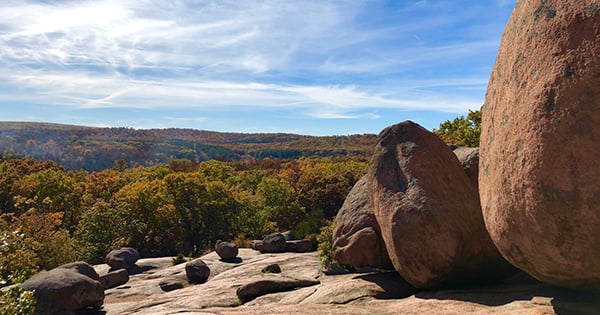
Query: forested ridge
x,y
94,149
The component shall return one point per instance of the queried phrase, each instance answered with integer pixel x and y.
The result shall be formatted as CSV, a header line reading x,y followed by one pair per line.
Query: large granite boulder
x,y
428,211
122,258
540,179
64,290
356,237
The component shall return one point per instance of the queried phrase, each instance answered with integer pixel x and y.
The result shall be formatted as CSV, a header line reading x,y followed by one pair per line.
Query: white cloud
x,y
152,54
83,90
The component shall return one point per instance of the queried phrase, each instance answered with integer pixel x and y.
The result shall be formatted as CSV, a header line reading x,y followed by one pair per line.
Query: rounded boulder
x,y
226,250
428,211
539,153
197,271
122,258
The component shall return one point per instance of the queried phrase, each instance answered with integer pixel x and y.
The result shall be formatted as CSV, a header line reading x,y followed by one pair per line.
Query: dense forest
x,y
95,149
50,215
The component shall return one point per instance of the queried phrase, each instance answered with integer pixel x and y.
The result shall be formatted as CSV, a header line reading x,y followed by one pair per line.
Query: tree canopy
x,y
462,131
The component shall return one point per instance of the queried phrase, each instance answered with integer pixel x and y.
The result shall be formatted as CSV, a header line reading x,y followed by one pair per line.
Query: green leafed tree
x,y
462,131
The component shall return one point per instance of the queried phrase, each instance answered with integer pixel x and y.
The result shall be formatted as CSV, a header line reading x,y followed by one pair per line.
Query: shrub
x,y
179,259
326,245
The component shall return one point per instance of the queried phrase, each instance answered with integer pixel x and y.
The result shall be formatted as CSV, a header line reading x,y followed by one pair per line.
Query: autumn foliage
x,y
52,216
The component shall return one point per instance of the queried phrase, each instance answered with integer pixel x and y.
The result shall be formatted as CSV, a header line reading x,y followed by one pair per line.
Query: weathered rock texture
x,y
428,211
540,152
64,289
357,237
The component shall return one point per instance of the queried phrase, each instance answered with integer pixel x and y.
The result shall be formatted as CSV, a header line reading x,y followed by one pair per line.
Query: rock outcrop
x,y
122,258
429,212
540,180
65,289
357,237
358,293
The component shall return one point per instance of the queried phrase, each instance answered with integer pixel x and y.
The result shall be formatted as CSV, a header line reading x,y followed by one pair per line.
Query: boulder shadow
x,y
520,287
394,287
235,260
91,311
570,302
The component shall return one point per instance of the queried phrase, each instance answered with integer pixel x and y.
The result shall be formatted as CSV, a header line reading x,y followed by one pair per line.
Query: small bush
x,y
179,259
326,245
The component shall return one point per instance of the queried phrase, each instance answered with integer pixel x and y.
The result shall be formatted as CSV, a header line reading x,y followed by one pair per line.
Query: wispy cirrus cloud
x,y
325,59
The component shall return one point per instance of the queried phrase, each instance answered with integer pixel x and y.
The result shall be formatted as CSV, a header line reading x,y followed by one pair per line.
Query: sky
x,y
322,67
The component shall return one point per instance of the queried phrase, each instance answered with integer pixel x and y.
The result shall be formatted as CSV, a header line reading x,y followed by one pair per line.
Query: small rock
x,y
170,285
274,243
272,268
122,258
197,271
299,246
226,250
114,278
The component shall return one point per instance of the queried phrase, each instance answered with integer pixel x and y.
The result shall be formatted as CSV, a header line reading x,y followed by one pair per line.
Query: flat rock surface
x,y
364,293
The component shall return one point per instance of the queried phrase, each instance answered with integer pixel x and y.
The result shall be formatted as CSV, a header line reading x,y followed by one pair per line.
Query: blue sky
x,y
308,67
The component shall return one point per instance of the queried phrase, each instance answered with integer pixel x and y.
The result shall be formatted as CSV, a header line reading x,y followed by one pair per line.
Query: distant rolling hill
x,y
91,148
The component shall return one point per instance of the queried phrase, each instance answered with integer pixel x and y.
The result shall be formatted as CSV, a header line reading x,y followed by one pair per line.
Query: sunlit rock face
x,y
540,154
